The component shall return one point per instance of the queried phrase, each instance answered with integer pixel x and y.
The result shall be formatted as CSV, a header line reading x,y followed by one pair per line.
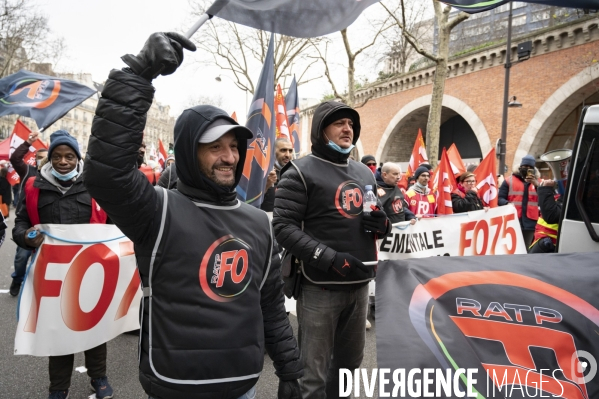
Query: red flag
x,y
20,134
418,155
234,116
282,130
457,165
444,184
161,154
486,180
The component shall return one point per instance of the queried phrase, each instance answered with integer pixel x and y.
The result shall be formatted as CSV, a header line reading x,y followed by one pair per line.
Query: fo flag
x,y
523,323
486,181
161,154
474,6
418,155
457,165
306,18
260,159
42,98
281,128
293,115
444,184
20,134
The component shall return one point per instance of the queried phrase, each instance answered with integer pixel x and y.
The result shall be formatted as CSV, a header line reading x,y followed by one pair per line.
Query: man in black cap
x,y
519,190
370,161
319,218
212,299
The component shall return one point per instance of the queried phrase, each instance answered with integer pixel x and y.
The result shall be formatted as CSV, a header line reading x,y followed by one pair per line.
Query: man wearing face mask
x,y
319,218
57,195
212,299
24,171
370,161
519,190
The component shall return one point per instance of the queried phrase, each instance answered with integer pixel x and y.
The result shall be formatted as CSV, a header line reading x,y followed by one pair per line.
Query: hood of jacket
x,y
319,145
190,126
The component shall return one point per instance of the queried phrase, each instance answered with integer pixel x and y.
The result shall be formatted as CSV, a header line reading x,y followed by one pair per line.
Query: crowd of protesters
x,y
331,244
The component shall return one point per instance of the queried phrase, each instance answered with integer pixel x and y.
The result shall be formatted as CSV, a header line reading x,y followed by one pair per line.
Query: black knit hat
x,y
62,137
420,170
368,158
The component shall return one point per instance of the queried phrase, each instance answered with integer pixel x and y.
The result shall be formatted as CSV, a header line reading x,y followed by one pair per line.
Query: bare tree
x,y
241,51
216,100
24,37
401,53
349,96
444,26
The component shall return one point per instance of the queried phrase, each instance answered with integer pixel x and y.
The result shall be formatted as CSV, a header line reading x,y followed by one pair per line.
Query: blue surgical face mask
x,y
69,176
335,147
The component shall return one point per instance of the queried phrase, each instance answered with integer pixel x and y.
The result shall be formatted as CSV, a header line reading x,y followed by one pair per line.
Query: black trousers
x,y
61,367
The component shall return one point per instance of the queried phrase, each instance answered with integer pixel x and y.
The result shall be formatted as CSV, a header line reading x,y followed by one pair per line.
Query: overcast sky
x,y
98,32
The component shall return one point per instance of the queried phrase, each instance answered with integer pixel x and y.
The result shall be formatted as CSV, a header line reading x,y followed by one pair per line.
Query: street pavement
x,y
25,377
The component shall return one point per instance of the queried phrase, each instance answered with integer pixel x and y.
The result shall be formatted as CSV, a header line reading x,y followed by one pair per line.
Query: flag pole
x,y
196,26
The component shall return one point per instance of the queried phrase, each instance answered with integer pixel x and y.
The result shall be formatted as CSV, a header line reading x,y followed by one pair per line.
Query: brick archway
x,y
542,127
450,102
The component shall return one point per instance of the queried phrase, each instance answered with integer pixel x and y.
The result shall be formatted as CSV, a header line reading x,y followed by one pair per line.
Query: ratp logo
x,y
32,93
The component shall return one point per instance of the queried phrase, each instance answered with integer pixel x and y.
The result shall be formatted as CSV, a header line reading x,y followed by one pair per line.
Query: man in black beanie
x,y
370,161
421,200
319,218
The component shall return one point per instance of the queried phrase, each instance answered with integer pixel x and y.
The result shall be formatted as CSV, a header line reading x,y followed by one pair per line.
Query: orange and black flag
x,y
260,158
293,116
42,98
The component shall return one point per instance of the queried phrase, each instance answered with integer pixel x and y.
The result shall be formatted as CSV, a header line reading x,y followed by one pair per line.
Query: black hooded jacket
x,y
140,211
306,223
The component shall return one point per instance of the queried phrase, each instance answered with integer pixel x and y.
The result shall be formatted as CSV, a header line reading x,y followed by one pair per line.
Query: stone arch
x,y
450,102
553,111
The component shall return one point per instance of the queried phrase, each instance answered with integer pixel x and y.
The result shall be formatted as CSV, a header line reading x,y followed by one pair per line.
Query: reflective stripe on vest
x,y
32,195
544,229
516,196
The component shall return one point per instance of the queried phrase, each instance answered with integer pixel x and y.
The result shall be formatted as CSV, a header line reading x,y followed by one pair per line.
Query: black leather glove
x,y
289,390
375,221
345,264
161,55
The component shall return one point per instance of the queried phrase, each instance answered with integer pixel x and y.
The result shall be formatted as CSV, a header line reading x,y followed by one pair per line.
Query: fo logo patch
x,y
225,272
397,205
348,199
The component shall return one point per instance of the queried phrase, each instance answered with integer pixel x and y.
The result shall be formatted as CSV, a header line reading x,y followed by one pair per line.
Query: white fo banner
x,y
495,232
81,290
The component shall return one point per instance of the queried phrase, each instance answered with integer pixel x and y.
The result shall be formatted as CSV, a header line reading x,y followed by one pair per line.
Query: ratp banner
x,y
81,290
523,326
495,232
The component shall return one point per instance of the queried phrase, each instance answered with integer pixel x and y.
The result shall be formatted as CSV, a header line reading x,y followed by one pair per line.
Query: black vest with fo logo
x,y
202,320
334,214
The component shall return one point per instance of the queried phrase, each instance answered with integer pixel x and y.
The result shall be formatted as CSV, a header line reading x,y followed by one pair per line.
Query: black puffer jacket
x,y
291,198
133,204
72,207
466,202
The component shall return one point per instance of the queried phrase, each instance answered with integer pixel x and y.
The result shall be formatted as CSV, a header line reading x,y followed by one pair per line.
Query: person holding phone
x,y
519,190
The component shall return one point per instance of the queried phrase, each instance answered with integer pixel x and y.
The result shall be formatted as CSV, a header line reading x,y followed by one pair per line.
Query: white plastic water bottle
x,y
369,200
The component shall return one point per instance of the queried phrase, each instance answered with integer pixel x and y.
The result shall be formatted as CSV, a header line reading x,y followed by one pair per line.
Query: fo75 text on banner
x,y
495,232
82,290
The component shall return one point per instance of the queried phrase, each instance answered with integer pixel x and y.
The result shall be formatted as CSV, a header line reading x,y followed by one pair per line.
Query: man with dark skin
x,y
283,154
62,199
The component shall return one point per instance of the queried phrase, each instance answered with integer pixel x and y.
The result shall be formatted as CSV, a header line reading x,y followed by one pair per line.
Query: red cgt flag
x,y
234,116
457,165
418,155
444,184
487,180
20,134
282,130
161,154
